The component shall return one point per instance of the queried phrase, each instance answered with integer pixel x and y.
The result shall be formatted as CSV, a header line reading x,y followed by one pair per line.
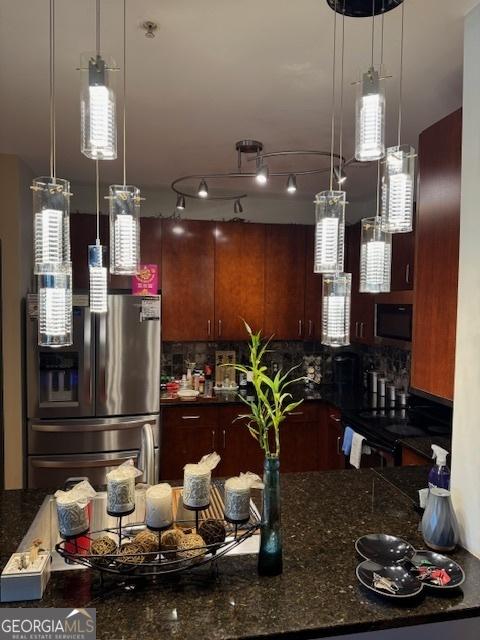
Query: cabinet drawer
x,y
306,412
189,416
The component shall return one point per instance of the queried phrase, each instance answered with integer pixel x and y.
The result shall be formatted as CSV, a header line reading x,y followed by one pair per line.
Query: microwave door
x,y
128,357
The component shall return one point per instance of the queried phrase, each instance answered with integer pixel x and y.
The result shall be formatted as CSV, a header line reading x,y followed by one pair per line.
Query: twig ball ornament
x,y
131,553
147,540
188,547
212,531
103,546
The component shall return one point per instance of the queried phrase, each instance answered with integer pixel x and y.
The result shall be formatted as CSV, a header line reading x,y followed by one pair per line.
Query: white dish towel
x,y
358,448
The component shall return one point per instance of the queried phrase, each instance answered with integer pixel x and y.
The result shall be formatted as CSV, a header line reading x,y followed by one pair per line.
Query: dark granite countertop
x,y
317,595
423,446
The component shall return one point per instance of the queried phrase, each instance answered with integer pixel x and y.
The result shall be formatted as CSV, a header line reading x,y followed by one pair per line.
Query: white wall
x,y
267,208
466,425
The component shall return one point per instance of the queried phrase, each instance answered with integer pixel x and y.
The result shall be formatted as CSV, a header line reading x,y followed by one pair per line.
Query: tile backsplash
x,y
393,362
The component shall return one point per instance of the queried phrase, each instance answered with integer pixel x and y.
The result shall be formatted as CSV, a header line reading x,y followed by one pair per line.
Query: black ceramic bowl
x,y
383,549
454,570
407,585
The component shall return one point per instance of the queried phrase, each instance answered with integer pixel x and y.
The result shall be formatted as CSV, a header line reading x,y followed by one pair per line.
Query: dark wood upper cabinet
x,y
362,314
403,259
285,281
188,262
313,291
239,279
436,257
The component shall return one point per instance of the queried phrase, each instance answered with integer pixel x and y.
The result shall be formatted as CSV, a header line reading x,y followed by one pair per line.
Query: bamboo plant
x,y
272,403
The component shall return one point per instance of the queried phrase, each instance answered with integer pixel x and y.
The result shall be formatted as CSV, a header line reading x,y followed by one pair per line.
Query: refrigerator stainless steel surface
x,y
95,404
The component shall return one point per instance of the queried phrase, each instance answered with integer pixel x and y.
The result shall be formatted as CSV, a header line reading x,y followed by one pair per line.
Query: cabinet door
x,y
285,281
334,458
187,280
238,448
436,258
363,307
299,439
239,278
313,291
186,436
403,250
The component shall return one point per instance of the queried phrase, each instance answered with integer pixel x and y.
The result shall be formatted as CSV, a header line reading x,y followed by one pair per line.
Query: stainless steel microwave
x,y
393,324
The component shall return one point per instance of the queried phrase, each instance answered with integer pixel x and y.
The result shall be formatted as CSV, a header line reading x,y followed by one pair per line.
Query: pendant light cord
x,y
373,31
52,91
332,141
400,92
340,144
97,183
381,64
124,93
97,27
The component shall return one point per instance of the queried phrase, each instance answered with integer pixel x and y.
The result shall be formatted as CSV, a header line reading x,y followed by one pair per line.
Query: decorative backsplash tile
x,y
394,363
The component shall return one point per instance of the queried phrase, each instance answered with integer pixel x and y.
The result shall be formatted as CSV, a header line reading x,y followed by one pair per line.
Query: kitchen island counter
x,y
317,595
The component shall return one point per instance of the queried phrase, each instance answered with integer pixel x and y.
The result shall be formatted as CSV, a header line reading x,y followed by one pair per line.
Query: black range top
x,y
384,427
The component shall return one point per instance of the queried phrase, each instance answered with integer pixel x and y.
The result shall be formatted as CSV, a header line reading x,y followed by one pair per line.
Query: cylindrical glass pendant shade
x,y
375,257
370,118
97,108
51,223
398,174
55,307
329,231
124,229
336,301
98,278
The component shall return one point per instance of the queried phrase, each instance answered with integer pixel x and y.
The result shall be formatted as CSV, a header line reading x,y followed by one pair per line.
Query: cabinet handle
x,y
310,328
407,274
300,327
190,417
209,327
213,439
338,445
223,432
356,329
296,413
219,327
335,418
362,327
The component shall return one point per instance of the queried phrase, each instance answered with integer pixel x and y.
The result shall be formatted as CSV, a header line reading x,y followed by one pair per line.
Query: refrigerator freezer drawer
x,y
51,472
89,434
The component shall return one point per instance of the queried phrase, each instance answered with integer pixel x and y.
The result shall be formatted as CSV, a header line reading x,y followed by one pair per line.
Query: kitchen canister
x,y
439,523
72,509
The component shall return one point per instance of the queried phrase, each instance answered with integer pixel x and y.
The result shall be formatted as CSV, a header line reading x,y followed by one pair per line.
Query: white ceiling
x,y
218,71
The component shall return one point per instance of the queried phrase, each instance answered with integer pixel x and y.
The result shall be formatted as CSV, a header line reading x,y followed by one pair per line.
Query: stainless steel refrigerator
x,y
95,404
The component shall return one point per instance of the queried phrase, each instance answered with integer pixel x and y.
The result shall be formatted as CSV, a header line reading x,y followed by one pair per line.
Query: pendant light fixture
x,y
375,243
96,259
51,232
330,235
370,111
124,202
330,206
291,183
398,171
97,103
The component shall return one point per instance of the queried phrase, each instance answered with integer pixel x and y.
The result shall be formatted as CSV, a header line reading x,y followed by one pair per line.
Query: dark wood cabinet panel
x,y
239,450
363,308
403,259
436,257
313,291
188,280
239,278
285,281
83,232
413,459
299,446
186,440
333,457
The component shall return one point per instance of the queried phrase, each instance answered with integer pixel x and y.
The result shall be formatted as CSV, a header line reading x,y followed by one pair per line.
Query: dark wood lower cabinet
x,y
310,440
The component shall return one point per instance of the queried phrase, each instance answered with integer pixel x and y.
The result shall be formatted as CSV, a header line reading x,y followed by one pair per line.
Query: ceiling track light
x,y
261,175
291,183
180,202
202,189
237,207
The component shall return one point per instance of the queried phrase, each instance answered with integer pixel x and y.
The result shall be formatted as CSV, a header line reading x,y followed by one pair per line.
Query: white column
x,y
466,416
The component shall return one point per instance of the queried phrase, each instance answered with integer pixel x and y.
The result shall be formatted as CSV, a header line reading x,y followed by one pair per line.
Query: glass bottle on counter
x,y
208,381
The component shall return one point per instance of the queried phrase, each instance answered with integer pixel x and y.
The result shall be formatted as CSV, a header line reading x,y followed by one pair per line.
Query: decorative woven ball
x,y
212,531
147,540
102,547
187,547
130,554
172,537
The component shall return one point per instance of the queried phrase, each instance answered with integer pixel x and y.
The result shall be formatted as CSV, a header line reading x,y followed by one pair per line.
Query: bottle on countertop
x,y
439,475
208,381
201,384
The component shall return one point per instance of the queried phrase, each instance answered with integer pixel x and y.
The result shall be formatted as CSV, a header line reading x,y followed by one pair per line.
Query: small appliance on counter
x,y
95,404
346,368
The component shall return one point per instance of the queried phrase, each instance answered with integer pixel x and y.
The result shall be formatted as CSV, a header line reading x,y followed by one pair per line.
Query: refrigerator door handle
x,y
146,458
82,426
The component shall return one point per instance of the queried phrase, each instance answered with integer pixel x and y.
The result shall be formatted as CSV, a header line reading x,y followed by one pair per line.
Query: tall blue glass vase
x,y
270,561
